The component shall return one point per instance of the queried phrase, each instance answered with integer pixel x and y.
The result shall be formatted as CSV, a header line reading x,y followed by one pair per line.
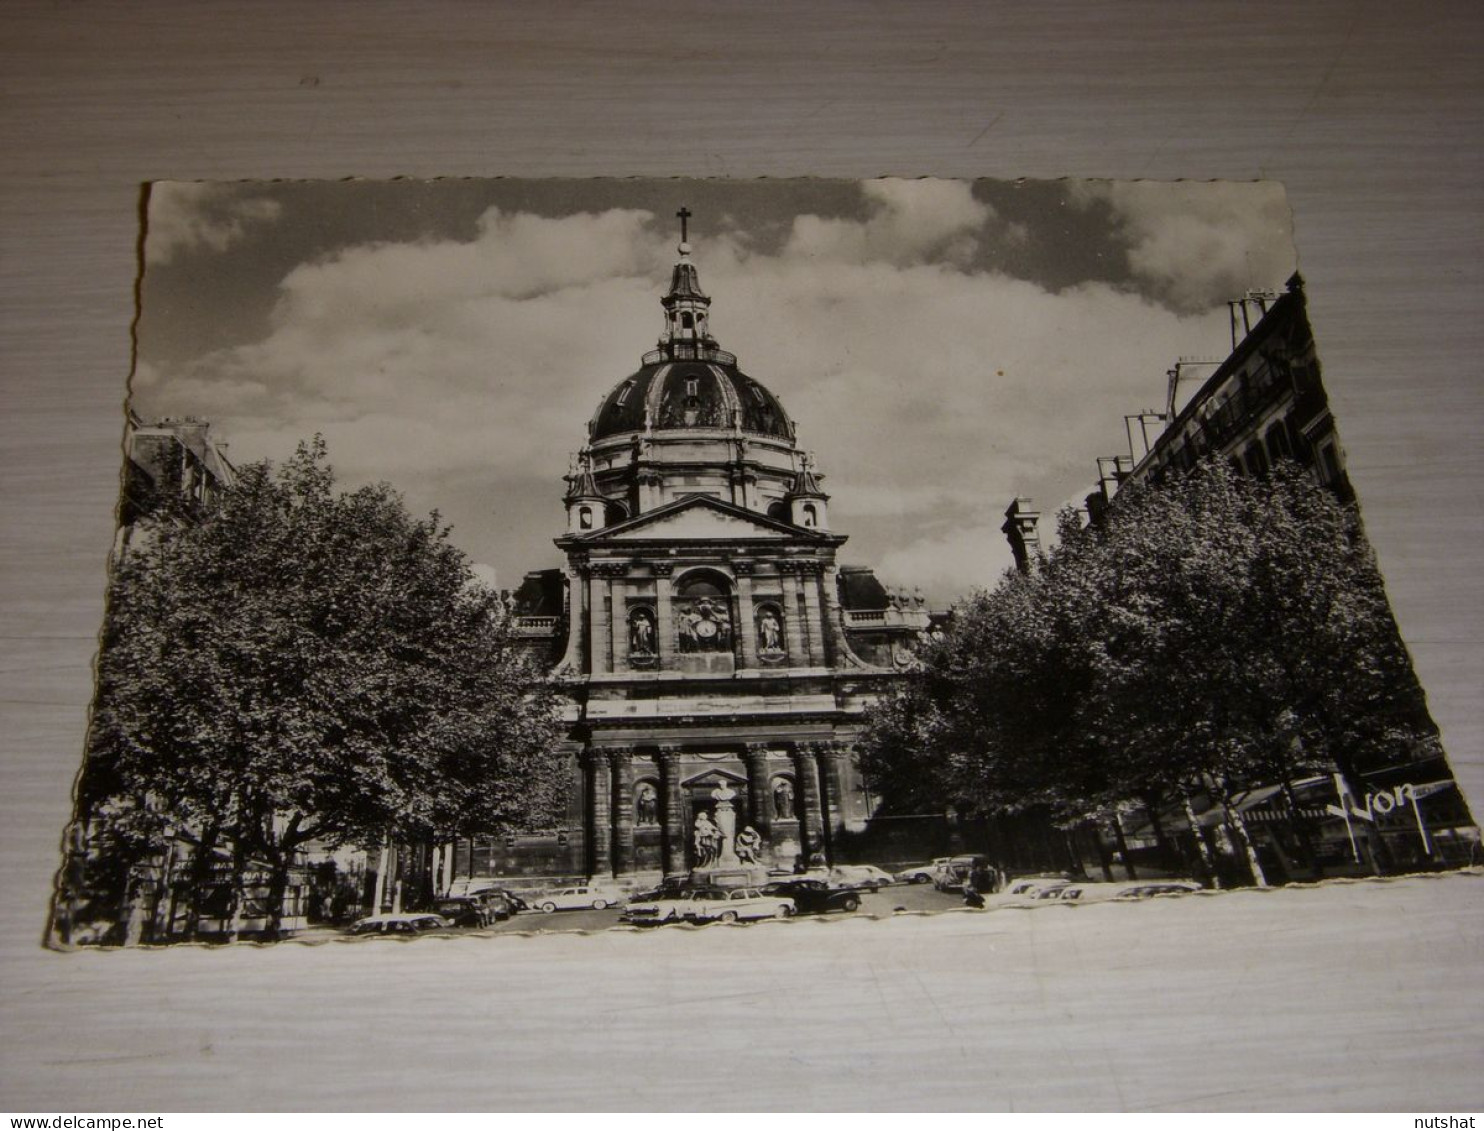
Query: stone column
x,y
759,796
599,813
810,822
597,620
618,625
672,813
745,619
793,627
664,615
622,763
832,782
572,659
810,571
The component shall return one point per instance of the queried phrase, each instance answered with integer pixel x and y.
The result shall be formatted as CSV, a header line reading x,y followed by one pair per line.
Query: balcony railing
x,y
537,627
681,352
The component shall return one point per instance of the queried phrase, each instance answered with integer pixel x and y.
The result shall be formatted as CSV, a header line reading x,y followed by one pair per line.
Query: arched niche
x,y
702,613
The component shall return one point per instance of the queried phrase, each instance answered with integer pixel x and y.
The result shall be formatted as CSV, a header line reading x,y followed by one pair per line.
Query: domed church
x,y
713,650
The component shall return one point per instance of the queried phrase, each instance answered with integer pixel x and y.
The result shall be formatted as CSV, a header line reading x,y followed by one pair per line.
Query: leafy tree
x,y
1212,633
306,665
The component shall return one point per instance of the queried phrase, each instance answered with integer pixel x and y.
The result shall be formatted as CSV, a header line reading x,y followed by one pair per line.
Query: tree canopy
x,y
308,665
1212,633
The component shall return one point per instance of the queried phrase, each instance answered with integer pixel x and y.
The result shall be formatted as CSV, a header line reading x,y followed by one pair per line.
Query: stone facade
x,y
704,633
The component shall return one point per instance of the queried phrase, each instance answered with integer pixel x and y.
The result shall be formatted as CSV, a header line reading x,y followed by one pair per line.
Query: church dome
x,y
688,382
707,391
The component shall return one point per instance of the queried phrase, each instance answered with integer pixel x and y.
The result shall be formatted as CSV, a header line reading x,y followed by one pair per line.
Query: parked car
x,y
738,904
922,873
864,877
465,911
404,924
1064,890
1032,886
514,902
1163,887
706,905
814,896
669,888
499,905
581,898
656,907
953,873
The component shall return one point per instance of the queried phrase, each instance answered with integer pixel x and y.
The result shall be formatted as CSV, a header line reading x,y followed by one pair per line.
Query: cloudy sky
x,y
942,346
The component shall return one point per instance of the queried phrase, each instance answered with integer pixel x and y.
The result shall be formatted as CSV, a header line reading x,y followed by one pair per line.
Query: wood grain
x,y
1370,113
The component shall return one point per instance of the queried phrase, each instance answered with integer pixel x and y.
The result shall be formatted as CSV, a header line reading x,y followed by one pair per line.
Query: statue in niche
x,y
783,800
749,845
769,632
646,805
707,840
641,633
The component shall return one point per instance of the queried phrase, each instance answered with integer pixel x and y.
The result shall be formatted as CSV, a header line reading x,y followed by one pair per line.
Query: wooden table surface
x,y
1370,113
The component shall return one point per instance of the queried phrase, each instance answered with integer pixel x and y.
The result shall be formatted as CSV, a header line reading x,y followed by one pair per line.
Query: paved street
x,y
906,897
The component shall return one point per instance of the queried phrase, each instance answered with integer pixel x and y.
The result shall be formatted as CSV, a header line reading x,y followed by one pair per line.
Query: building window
x,y
811,516
585,518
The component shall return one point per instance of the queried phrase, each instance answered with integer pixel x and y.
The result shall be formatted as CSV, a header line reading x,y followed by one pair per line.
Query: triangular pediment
x,y
700,518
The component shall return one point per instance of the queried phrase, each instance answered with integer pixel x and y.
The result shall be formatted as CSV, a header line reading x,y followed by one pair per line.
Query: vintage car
x,y
404,924
1162,887
922,873
863,877
580,898
738,904
811,896
705,905
465,911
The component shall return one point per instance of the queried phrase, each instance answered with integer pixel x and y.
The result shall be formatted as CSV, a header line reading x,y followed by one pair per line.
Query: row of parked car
x,y
1069,891
676,902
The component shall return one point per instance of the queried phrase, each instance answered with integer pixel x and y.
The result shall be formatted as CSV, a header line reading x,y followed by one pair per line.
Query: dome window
x,y
692,386
623,394
757,395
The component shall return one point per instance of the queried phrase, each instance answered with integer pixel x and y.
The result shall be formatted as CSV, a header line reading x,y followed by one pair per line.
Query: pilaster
x,y
664,615
759,796
746,625
672,815
793,626
599,813
621,761
811,838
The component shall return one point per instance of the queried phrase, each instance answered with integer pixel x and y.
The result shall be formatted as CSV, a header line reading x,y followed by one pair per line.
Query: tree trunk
x,y
1300,833
200,872
1244,840
278,886
1207,860
1093,832
1169,857
1128,863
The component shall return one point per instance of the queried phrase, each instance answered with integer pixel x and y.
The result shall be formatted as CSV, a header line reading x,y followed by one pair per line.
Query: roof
x,y
701,394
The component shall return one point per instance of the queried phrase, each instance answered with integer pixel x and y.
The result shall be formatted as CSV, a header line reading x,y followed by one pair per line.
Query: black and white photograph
x,y
505,555
666,561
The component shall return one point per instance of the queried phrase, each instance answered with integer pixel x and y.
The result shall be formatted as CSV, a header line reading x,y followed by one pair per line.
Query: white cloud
x,y
1197,244
187,215
464,371
910,222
